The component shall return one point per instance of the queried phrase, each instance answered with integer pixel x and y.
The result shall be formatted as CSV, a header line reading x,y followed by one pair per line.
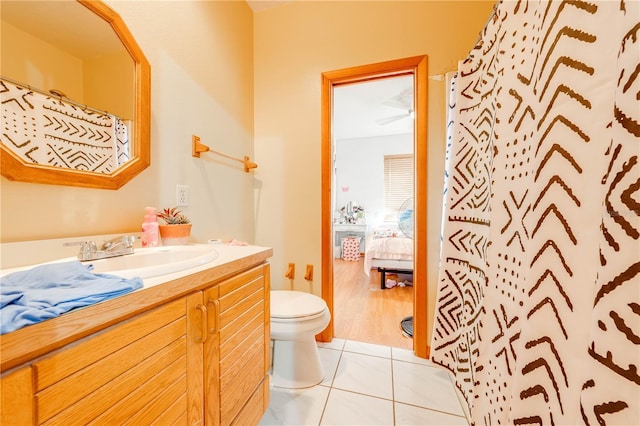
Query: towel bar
x,y
197,148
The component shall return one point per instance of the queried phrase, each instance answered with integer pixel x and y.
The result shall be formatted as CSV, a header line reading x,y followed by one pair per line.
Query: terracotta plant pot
x,y
175,235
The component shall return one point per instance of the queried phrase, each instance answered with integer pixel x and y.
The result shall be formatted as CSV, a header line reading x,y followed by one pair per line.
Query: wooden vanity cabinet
x,y
16,406
236,353
243,353
141,371
199,359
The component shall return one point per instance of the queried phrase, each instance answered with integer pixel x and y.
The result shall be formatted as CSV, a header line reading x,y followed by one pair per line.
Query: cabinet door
x,y
211,357
140,371
243,333
16,392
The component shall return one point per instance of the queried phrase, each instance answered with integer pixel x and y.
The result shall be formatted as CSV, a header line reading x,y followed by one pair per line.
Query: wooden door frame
x,y
417,66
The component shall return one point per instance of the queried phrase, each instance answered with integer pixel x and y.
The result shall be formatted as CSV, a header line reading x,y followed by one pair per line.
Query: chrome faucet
x,y
118,246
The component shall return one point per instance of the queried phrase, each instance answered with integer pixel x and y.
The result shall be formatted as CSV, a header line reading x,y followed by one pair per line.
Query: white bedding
x,y
391,248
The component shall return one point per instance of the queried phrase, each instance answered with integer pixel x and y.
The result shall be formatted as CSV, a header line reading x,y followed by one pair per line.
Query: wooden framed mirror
x,y
133,86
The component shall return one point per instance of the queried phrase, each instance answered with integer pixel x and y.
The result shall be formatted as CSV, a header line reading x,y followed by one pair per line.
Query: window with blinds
x,y
398,183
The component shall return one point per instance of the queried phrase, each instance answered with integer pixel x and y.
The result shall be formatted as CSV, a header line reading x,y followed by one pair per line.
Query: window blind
x,y
398,183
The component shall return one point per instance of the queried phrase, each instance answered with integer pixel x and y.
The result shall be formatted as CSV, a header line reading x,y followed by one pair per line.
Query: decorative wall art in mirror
x,y
75,92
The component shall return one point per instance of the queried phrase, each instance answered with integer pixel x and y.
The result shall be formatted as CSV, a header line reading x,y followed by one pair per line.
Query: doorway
x,y
373,143
417,68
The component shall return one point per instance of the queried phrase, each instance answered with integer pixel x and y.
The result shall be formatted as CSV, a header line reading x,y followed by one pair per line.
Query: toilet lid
x,y
295,304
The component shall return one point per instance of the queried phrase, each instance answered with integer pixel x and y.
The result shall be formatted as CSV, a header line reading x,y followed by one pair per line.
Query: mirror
x,y
88,54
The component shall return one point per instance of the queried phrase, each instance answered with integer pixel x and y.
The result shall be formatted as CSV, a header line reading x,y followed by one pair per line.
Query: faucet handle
x,y
80,243
86,248
128,240
125,241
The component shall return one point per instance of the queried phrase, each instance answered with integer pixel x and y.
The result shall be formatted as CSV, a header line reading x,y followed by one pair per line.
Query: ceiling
x,y
373,108
46,21
258,5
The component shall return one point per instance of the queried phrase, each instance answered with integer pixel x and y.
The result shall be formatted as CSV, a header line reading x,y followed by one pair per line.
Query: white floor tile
x,y
407,355
295,407
367,349
368,384
347,408
364,374
329,359
337,344
410,415
424,386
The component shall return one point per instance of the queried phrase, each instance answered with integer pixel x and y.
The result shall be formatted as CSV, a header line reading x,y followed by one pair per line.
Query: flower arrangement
x,y
173,216
355,208
352,212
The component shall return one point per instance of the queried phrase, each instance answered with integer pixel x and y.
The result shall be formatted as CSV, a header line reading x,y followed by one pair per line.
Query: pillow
x,y
386,230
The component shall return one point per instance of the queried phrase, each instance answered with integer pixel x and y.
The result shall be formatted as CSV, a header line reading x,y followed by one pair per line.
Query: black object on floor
x,y
407,326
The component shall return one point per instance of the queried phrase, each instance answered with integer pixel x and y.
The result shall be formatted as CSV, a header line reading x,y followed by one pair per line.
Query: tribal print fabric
x,y
45,130
538,303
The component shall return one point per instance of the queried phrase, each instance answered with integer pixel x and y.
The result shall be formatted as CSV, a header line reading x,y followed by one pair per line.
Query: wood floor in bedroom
x,y
366,313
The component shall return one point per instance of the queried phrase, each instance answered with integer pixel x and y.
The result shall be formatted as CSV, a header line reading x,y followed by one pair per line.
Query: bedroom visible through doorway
x,y
373,143
339,203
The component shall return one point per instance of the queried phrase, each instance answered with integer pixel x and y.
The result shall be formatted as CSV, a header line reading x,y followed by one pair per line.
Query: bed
x,y
389,251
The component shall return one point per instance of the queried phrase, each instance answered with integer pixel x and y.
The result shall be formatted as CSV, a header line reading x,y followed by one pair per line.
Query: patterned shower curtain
x,y
538,302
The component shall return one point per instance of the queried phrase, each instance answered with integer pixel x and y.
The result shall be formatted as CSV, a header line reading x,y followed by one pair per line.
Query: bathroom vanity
x,y
191,347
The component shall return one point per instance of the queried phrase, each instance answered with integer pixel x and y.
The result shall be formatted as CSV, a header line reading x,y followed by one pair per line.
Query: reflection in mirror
x,y
75,95
48,128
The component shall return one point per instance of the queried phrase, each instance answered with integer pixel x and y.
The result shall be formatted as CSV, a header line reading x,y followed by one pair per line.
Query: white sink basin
x,y
156,261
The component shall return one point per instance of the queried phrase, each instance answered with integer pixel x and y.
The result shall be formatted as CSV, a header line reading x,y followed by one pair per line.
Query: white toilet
x,y
296,317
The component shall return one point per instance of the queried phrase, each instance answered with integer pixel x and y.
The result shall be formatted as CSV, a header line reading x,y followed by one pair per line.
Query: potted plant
x,y
177,227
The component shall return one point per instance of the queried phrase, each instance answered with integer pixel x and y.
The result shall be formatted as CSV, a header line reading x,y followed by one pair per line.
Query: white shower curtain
x,y
538,303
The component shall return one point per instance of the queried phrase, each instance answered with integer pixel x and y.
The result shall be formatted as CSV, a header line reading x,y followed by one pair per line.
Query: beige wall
x,y
294,44
118,97
204,56
201,56
24,57
45,64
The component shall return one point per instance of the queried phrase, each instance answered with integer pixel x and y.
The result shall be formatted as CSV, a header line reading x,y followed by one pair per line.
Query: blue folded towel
x,y
46,291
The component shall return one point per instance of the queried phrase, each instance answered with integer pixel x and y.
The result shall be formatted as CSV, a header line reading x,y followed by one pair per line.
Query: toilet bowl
x,y
296,317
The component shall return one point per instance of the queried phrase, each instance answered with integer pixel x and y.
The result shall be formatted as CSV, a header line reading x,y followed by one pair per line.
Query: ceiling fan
x,y
403,101
387,120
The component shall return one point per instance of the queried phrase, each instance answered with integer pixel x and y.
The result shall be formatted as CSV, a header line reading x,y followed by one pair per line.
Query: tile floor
x,y
369,384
